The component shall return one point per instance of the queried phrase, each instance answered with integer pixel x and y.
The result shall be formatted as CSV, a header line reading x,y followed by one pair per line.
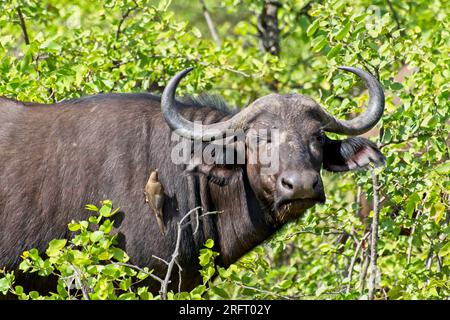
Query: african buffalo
x,y
54,159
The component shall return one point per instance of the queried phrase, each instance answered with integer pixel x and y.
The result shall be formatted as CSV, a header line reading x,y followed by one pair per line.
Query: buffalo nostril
x,y
287,184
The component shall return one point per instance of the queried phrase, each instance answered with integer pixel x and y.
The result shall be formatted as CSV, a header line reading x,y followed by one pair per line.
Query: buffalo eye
x,y
318,141
320,138
316,144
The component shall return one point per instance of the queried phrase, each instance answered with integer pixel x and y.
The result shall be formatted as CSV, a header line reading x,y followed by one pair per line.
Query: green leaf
x,y
34,295
204,260
396,86
285,284
196,32
445,250
343,32
55,246
318,43
91,207
127,296
199,290
312,28
120,255
334,51
25,265
437,211
74,226
411,204
209,243
443,168
111,270
79,258
220,292
96,236
5,285
105,210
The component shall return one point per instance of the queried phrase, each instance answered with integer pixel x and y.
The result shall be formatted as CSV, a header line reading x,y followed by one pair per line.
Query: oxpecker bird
x,y
154,196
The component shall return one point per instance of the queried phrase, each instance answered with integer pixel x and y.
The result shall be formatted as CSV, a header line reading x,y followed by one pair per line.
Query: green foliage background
x,y
84,47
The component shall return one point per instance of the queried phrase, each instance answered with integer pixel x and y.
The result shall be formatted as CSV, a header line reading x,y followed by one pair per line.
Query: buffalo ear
x,y
350,154
219,174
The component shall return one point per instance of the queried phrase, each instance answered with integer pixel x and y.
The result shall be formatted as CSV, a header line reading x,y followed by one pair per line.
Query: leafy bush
x,y
80,47
90,266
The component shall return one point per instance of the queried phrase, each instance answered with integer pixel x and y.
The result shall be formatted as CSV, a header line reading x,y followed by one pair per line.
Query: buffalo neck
x,y
241,223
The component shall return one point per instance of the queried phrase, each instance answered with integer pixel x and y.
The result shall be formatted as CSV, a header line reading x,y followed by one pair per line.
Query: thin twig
x,y
241,73
210,23
197,223
291,235
180,270
395,16
23,26
411,137
201,216
281,296
352,263
374,240
411,236
363,274
80,283
155,277
160,259
264,291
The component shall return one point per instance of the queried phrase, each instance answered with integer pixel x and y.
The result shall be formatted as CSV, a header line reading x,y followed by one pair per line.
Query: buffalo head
x,y
292,127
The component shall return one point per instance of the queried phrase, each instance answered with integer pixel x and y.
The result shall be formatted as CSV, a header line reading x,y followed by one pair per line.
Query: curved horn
x,y
197,131
370,117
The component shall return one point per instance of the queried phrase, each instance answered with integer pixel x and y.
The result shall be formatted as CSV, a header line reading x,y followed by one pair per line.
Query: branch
x,y
23,26
180,270
374,240
366,64
209,21
197,223
173,261
124,17
352,263
395,16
